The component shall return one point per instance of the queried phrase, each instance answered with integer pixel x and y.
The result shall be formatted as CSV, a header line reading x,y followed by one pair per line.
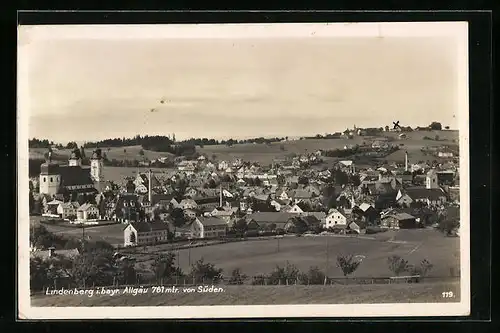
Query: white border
x,y
456,30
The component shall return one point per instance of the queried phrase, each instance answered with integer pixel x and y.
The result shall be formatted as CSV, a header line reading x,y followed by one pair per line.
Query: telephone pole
x,y
327,257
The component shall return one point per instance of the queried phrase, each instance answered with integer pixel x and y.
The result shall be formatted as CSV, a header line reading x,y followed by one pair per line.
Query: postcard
x,y
243,170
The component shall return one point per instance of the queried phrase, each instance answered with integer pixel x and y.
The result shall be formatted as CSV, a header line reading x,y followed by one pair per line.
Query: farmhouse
x,y
87,212
335,219
433,196
188,204
208,227
398,221
224,214
145,233
127,208
67,210
270,220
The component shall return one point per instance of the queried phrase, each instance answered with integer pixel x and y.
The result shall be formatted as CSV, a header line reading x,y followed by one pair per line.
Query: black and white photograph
x,y
243,170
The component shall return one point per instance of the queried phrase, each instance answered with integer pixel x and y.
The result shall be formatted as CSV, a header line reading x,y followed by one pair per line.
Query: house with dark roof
x,y
208,227
265,219
429,196
399,221
145,233
126,208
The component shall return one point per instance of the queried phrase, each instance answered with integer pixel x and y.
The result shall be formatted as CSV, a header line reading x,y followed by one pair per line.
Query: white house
x,y
67,210
282,195
295,209
224,214
144,233
335,219
87,212
208,227
223,165
188,204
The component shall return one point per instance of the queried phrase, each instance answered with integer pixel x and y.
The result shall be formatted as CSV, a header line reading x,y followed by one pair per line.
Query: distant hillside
x,y
265,153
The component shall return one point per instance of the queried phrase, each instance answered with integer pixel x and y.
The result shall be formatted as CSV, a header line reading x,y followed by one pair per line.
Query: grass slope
x,y
266,153
271,295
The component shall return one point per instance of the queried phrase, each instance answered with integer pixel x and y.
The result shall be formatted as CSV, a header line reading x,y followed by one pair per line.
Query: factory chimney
x,y
406,161
149,188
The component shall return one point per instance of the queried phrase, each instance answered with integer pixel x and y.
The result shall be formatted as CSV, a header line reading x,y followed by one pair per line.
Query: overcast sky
x,y
87,89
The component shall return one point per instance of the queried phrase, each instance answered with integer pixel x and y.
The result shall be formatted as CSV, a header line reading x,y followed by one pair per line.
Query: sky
x,y
87,87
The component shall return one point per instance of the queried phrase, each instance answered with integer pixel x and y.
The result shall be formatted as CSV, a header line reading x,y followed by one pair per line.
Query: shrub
x,y
201,272
397,265
282,275
237,277
313,276
347,264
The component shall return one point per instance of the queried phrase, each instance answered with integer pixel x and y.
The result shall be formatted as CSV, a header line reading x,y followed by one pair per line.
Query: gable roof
x,y
425,193
149,226
270,217
401,216
75,175
211,221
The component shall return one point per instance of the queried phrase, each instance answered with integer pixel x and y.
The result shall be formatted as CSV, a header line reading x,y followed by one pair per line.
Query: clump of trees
x,y
203,272
348,264
398,266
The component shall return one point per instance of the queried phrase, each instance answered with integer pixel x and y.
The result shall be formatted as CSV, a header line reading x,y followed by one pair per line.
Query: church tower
x,y
50,177
431,180
76,158
96,166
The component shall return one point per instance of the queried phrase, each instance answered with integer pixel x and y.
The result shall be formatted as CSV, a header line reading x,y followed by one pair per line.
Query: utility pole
x,y
327,257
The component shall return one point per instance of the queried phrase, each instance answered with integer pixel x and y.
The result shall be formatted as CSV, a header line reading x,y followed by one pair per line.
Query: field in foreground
x,y
260,295
255,257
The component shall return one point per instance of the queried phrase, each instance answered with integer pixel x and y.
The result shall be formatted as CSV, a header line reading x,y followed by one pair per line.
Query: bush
x,y
397,265
313,276
201,272
284,275
237,278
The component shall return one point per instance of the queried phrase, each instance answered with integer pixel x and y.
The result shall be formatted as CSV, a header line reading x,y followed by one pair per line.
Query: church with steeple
x,y
72,179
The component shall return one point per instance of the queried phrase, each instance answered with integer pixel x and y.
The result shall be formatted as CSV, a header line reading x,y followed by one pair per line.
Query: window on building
x,y
51,179
44,179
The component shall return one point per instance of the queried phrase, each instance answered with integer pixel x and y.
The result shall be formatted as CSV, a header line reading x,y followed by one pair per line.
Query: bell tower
x,y
76,158
96,166
431,180
50,177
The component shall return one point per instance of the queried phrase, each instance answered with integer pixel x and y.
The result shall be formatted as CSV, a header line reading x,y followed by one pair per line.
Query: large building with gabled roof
x,y
71,179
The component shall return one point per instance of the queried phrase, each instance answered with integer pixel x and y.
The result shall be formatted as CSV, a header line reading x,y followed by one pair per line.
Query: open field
x,y
118,153
262,256
266,153
112,233
269,295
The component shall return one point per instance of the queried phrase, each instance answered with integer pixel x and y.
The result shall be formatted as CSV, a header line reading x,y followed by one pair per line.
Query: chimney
x,y
406,161
149,188
52,251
